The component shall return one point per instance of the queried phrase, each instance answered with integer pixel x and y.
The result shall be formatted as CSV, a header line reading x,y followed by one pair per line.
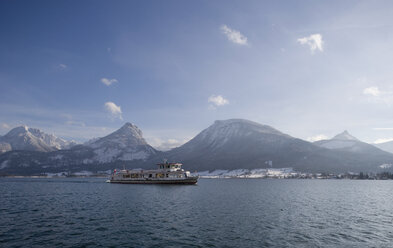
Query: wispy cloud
x,y
314,41
61,67
108,81
377,95
383,128
217,101
234,35
373,91
114,110
383,140
5,126
70,120
75,123
166,144
317,137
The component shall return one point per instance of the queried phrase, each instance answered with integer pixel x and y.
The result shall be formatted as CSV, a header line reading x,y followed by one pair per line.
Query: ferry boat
x,y
167,173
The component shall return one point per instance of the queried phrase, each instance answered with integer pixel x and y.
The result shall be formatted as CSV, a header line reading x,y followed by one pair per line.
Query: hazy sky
x,y
81,69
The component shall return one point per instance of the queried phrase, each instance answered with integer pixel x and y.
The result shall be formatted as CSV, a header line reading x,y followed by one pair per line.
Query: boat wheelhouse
x,y
167,173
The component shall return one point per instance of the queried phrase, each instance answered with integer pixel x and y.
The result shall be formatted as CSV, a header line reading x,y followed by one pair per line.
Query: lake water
x,y
88,212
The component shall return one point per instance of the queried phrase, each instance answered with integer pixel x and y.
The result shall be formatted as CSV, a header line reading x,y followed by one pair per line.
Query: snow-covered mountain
x,y
230,145
223,131
347,142
242,144
340,141
126,146
237,143
127,143
32,139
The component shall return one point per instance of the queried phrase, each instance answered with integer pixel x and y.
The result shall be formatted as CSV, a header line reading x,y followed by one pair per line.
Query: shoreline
x,y
210,178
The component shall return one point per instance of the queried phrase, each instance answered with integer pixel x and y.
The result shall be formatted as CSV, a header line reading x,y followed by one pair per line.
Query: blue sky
x,y
81,69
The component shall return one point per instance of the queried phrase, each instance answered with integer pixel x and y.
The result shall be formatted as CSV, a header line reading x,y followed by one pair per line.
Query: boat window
x,y
150,175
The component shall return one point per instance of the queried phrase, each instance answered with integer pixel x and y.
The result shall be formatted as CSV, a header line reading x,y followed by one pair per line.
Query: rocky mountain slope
x,y
32,139
228,145
127,143
125,146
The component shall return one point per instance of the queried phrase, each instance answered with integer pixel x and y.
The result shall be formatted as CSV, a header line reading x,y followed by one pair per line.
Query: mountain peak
x,y
344,136
17,130
241,124
128,135
126,143
232,121
230,132
130,129
128,124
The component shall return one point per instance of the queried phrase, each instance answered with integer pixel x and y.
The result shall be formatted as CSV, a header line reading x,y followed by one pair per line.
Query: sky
x,y
311,69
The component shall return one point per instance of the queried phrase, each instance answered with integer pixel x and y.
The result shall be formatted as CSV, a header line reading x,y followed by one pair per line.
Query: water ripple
x,y
216,213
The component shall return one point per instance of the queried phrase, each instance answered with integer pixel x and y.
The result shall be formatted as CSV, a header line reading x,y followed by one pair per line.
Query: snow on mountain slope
x,y
223,131
238,143
31,139
345,141
235,143
236,146
340,141
127,143
344,136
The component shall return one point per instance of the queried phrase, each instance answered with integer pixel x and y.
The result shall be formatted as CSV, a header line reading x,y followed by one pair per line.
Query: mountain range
x,y
32,139
228,144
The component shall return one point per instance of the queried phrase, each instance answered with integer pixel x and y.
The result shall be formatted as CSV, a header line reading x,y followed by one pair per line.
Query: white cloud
x,y
234,35
317,137
217,100
61,67
314,41
377,95
373,91
114,110
383,140
108,81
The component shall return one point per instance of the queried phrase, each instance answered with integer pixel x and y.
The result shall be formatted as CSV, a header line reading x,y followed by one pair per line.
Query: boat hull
x,y
153,181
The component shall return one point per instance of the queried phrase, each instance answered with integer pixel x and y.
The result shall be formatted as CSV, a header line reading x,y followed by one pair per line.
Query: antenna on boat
x,y
124,167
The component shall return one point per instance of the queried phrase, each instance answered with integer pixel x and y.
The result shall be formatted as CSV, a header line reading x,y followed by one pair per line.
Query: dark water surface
x,y
215,213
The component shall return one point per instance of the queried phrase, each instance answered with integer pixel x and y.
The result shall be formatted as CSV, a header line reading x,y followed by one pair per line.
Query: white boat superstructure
x,y
167,173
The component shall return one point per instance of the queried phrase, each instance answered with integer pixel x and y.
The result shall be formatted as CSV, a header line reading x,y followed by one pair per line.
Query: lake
x,y
87,212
